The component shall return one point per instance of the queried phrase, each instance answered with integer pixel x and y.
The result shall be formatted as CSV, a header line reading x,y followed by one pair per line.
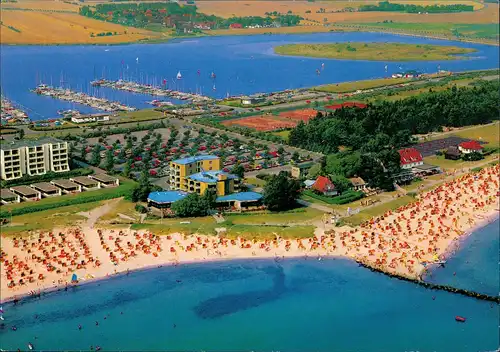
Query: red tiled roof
x,y
409,156
471,145
323,184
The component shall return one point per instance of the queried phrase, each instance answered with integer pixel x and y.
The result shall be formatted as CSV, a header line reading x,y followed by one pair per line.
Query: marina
x,y
81,98
135,87
11,114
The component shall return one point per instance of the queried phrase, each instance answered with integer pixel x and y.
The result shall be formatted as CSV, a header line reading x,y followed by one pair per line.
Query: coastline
x,y
450,250
436,221
211,34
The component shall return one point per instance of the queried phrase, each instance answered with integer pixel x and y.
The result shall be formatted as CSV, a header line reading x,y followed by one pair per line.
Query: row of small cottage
x,y
39,190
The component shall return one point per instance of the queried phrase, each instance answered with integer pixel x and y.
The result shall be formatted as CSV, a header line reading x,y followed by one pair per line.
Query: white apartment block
x,y
33,158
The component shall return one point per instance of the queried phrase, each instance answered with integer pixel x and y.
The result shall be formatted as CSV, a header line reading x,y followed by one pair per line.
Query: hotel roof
x,y
25,191
166,196
45,187
193,159
84,180
211,176
66,184
29,143
241,197
103,178
6,194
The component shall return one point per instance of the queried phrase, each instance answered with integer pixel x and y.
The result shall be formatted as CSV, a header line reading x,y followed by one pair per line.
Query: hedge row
x,y
63,201
346,197
49,176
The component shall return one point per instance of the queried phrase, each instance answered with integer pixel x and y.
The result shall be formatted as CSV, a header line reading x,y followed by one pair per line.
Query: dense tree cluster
x,y
371,137
391,124
280,192
142,14
411,8
195,205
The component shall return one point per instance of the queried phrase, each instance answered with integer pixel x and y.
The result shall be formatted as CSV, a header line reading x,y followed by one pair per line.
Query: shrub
x,y
346,197
141,209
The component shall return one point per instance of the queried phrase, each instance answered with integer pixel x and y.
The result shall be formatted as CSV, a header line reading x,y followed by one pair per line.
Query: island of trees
x,y
374,51
412,8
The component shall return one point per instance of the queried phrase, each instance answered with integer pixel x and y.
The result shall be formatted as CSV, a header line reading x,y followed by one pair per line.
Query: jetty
x,y
149,89
10,114
81,98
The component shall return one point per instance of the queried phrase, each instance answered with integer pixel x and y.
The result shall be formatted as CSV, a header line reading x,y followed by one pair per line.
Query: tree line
x,y
411,8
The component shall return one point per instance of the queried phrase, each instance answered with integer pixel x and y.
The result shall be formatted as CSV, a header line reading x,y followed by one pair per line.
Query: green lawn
x,y
139,115
282,134
487,31
48,219
287,217
374,51
489,133
367,84
255,181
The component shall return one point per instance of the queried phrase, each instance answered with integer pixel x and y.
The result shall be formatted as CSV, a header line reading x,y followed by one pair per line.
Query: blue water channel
x,y
242,65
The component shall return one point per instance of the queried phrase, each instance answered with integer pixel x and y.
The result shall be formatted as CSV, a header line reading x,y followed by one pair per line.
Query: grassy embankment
x,y
374,51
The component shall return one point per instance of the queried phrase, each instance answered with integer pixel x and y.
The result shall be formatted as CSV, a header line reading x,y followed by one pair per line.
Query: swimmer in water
x,y
14,328
79,327
96,323
97,348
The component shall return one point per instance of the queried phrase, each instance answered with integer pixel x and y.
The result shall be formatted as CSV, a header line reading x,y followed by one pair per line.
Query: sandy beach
x,y
404,242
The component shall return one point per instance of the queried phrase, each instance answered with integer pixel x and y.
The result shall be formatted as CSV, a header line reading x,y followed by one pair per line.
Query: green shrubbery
x,y
344,198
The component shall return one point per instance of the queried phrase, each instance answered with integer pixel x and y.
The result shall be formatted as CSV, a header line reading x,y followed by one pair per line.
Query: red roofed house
x,y
470,147
324,186
235,25
410,157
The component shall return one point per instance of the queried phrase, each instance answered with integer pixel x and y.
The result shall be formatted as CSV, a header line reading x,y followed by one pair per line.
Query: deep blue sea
x,y
259,305
242,65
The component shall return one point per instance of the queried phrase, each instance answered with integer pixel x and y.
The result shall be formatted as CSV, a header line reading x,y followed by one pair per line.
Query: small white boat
x,y
179,76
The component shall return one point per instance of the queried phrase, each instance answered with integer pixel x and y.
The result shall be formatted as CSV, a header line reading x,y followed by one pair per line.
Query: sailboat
x,y
212,75
214,87
385,67
179,76
137,59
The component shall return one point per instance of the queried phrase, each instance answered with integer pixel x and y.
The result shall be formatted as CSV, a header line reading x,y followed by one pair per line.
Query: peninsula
x,y
374,51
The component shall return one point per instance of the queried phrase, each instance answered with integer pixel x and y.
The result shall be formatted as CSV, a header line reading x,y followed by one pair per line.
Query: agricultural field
x,y
259,8
374,51
35,27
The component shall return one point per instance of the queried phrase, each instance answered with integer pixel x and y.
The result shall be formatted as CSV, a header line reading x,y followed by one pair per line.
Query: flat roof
x,y
64,183
193,159
45,186
166,196
241,197
84,180
25,190
29,143
211,176
7,194
103,178
426,167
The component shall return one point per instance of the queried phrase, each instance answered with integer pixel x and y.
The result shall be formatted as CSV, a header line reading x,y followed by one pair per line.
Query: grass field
x,y
140,115
367,84
489,133
48,219
282,134
63,28
473,30
374,51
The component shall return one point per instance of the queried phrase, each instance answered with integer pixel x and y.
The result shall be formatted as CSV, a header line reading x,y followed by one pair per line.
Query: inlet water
x,y
241,64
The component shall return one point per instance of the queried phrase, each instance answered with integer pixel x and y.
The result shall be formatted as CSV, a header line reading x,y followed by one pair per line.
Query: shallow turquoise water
x,y
296,305
475,265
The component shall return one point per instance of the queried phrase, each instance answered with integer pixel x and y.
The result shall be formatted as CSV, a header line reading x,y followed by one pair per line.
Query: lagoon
x,y
242,64
260,305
